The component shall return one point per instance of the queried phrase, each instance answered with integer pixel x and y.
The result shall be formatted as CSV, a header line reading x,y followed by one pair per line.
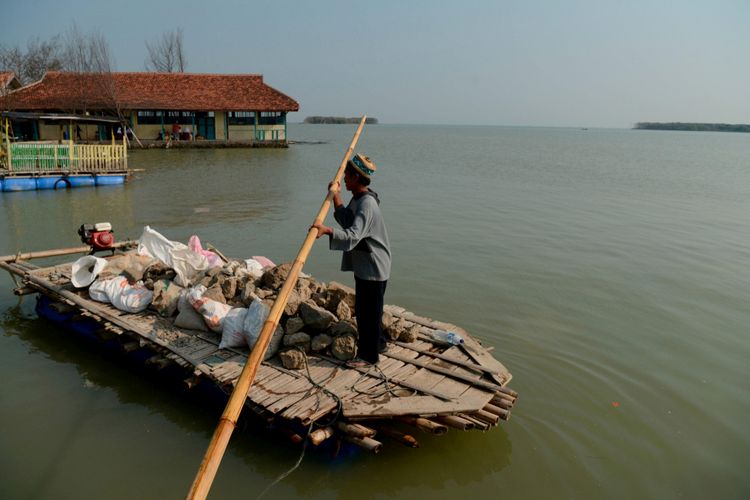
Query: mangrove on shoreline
x,y
695,127
338,120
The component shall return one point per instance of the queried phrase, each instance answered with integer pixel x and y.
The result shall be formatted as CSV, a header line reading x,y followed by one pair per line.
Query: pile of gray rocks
x,y
318,317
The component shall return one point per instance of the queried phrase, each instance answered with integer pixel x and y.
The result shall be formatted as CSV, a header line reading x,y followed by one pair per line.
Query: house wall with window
x,y
148,124
256,125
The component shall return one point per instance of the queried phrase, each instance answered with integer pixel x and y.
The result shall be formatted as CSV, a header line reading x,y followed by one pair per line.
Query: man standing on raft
x,y
367,252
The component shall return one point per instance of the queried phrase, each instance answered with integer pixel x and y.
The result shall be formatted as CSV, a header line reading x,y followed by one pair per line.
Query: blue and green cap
x,y
363,165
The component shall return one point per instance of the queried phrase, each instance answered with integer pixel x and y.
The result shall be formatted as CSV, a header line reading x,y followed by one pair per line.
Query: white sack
x,y
213,312
122,295
98,291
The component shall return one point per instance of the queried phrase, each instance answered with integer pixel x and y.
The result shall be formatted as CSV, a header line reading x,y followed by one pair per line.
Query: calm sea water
x,y
610,268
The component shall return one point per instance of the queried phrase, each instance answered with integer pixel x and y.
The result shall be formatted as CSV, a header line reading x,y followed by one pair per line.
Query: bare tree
x,y
167,54
85,53
12,59
41,56
89,57
30,65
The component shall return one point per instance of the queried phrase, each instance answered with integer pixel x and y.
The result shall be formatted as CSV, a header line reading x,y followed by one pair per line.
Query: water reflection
x,y
33,220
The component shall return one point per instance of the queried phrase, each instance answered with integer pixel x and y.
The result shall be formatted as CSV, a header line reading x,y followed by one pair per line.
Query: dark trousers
x,y
368,308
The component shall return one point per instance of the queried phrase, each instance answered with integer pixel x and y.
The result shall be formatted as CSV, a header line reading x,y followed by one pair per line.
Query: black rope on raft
x,y
389,388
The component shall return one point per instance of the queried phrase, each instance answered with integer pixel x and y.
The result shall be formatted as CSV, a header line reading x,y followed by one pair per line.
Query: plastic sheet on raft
x,y
186,263
85,270
194,243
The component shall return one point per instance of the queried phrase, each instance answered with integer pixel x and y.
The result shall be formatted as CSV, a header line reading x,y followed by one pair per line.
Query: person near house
x,y
367,253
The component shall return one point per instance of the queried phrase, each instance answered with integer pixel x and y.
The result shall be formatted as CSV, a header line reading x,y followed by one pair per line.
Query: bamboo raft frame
x,y
421,385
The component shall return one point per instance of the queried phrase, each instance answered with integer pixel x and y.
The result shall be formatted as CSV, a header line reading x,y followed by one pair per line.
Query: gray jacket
x,y
363,238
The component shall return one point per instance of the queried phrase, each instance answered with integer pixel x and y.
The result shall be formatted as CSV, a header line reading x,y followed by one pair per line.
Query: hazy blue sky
x,y
559,63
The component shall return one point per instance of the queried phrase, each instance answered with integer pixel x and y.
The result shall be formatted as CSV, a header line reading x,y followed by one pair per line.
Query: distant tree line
x,y
696,127
338,119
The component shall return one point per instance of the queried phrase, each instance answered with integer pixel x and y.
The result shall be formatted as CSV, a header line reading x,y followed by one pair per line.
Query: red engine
x,y
99,235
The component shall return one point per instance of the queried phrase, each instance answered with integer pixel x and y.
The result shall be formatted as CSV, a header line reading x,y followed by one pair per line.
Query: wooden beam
x,y
412,405
450,359
445,371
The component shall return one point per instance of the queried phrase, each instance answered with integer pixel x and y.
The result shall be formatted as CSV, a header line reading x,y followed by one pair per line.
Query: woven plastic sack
x,y
125,297
231,331
166,297
213,312
187,317
98,291
257,312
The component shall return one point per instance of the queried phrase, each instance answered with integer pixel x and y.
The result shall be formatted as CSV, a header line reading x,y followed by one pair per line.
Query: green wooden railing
x,y
46,157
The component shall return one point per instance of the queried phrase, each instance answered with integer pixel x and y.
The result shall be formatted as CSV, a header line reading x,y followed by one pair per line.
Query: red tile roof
x,y
59,90
6,80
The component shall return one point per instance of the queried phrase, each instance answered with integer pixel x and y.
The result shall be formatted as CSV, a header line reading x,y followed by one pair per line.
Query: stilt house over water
x,y
156,106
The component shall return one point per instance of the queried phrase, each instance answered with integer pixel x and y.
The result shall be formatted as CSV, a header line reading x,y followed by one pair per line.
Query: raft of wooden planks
x,y
424,384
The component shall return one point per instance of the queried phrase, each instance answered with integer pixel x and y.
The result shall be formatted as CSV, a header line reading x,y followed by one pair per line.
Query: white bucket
x,y
86,269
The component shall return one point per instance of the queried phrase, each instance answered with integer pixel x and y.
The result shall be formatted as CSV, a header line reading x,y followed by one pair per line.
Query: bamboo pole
x,y
496,410
210,464
509,392
486,416
478,424
57,252
367,443
319,435
7,143
503,401
70,142
401,437
456,422
425,425
356,430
